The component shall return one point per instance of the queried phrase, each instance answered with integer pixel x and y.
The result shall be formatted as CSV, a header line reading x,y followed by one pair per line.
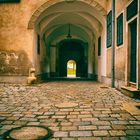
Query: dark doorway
x,y
72,50
133,51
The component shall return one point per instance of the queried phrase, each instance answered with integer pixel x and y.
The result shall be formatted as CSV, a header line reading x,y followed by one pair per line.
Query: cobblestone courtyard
x,y
91,111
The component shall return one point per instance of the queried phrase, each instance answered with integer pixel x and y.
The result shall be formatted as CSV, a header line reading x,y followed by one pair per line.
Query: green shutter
x,y
132,9
120,29
109,29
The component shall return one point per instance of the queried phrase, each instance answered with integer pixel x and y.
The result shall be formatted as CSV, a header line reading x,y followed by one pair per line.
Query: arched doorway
x,y
72,50
51,22
71,69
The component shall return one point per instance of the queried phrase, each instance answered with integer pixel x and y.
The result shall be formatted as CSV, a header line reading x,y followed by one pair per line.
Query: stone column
x,y
91,61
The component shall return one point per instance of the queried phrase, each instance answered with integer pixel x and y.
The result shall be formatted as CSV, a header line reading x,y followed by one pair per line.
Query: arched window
x,y
71,68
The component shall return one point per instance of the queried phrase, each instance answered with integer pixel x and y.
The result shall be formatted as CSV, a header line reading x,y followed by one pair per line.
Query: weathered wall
x,y
120,51
15,40
14,63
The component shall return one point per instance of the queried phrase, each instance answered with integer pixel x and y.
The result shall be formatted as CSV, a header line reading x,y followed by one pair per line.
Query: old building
x,y
47,34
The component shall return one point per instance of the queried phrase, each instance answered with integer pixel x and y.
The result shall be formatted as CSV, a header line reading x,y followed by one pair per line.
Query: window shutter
x,y
109,29
132,9
120,29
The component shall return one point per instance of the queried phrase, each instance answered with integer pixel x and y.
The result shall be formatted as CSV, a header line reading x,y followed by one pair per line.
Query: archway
x,y
72,50
51,22
37,13
71,69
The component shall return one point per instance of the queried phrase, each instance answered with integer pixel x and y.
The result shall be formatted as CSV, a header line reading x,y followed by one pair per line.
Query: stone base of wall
x,y
107,81
13,79
43,76
92,76
53,74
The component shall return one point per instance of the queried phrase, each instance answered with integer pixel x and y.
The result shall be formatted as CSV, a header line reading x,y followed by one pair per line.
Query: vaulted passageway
x,y
65,31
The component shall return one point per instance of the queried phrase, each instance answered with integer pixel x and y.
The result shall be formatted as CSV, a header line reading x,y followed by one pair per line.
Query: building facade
x,y
47,34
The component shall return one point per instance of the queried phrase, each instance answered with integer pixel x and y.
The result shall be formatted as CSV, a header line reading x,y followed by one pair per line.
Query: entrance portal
x,y
71,68
133,51
75,51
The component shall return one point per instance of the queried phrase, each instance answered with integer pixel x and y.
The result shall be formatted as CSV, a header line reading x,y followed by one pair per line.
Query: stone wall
x,y
14,63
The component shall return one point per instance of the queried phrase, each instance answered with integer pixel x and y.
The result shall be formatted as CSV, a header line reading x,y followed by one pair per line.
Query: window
x,y
109,29
120,29
132,9
38,44
99,46
9,1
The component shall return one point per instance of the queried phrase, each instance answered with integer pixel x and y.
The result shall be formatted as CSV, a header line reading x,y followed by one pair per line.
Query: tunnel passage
x,y
72,50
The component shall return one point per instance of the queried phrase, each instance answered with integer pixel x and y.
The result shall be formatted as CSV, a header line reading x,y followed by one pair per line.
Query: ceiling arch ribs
x,y
44,6
46,17
83,15
62,30
77,34
54,22
63,37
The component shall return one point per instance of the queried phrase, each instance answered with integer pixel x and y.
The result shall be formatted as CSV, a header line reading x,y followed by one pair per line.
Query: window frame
x,y
130,12
109,29
120,29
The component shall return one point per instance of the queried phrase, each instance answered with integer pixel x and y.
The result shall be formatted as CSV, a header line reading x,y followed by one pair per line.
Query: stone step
x,y
130,91
69,79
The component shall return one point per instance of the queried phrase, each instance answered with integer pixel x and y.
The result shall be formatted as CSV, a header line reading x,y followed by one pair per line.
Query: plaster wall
x,y
16,42
53,59
102,59
120,51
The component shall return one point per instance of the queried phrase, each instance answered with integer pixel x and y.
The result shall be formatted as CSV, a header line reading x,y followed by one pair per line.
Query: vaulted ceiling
x,y
86,22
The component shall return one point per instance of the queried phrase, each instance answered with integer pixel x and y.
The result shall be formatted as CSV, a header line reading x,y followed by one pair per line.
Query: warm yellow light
x,y
71,68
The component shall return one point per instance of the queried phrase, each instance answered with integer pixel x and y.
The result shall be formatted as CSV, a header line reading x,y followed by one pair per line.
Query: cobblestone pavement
x,y
93,112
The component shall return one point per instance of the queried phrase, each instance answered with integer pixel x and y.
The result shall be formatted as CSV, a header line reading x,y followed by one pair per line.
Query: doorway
x,y
72,50
71,69
133,51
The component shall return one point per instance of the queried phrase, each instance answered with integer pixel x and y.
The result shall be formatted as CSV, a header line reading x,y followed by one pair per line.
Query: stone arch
x,y
49,3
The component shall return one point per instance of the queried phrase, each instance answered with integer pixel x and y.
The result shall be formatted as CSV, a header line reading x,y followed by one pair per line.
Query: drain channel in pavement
x,y
28,132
